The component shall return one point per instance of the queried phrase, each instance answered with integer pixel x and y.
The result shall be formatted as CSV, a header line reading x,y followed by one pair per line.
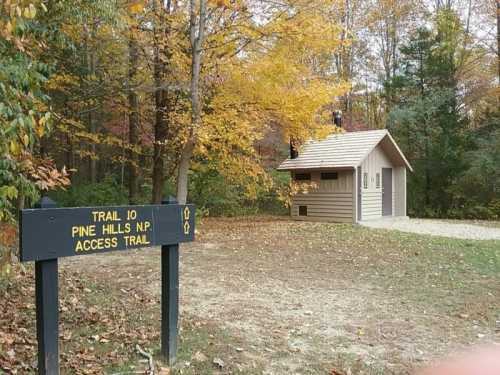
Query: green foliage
x,y
107,192
456,167
215,196
477,189
427,121
14,184
209,190
269,201
24,116
494,206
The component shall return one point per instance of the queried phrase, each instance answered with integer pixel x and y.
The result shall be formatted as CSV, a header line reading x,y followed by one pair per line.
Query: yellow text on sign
x,y
83,231
187,213
109,229
96,244
100,216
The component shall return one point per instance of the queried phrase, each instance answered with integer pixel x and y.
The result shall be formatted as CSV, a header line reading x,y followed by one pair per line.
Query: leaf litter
x,y
270,296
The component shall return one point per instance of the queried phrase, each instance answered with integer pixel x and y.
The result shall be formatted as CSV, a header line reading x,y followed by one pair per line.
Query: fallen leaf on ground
x,y
219,362
199,357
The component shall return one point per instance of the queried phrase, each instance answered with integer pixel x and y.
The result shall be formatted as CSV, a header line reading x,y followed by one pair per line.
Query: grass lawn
x,y
269,295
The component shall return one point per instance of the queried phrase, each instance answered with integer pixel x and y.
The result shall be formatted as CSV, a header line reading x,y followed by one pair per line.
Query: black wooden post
x,y
169,298
47,309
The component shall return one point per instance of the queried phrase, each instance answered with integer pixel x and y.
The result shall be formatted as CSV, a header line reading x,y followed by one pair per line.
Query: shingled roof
x,y
345,150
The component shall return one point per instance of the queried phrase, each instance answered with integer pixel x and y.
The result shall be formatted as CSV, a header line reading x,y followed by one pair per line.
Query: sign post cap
x,y
45,202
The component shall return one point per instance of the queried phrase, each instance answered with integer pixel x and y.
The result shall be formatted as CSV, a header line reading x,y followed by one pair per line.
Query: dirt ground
x,y
309,298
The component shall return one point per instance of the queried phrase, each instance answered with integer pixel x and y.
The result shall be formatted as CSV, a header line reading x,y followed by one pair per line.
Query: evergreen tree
x,y
427,120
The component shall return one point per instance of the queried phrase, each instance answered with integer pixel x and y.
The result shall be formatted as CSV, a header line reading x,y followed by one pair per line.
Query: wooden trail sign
x,y
60,232
48,233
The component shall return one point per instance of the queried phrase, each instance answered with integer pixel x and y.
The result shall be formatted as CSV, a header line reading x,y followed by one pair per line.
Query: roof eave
x,y
407,163
302,168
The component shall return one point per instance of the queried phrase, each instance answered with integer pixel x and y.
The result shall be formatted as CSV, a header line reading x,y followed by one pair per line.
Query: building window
x,y
302,210
365,180
302,177
329,176
377,180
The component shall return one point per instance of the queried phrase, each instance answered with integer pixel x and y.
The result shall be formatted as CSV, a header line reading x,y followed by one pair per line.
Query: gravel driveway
x,y
437,228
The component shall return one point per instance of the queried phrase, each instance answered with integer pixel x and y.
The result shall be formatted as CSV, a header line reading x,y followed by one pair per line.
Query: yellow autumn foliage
x,y
282,78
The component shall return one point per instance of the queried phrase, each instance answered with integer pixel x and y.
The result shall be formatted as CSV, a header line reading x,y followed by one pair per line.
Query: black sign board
x,y
60,232
48,233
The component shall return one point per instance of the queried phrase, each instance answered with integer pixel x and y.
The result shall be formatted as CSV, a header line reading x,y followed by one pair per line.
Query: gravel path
x,y
437,228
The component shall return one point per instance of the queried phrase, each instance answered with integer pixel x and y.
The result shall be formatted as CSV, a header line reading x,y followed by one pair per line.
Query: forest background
x,y
117,101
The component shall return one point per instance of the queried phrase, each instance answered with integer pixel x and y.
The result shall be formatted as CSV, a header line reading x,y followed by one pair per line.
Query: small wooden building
x,y
357,176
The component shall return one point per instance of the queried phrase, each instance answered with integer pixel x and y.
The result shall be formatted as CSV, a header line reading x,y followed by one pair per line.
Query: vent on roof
x,y
293,151
337,118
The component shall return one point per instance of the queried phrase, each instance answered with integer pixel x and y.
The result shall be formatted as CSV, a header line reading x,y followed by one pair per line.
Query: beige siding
x,y
331,201
371,199
371,205
373,164
335,200
354,196
393,196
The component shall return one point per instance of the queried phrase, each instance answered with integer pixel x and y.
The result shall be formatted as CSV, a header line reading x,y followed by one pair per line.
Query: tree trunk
x,y
162,108
197,37
90,57
93,149
183,172
498,39
70,159
133,120
160,132
21,200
